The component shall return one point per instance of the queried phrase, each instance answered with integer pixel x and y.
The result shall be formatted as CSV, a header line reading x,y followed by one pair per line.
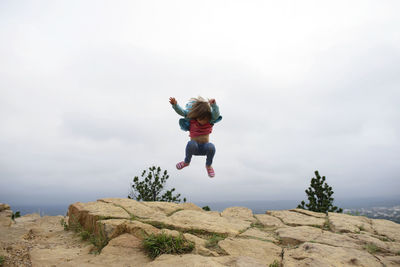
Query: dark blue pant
x,y
194,148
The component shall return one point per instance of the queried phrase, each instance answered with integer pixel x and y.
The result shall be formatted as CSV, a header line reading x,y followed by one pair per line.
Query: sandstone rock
x,y
390,261
140,229
265,252
5,218
240,261
365,238
173,233
313,254
387,228
168,207
41,241
87,214
186,260
338,240
32,218
345,223
310,213
124,250
298,235
112,228
191,220
296,219
258,234
239,213
269,221
200,245
4,206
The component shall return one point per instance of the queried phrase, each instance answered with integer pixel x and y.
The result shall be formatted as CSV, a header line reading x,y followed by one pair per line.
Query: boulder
x,y
87,214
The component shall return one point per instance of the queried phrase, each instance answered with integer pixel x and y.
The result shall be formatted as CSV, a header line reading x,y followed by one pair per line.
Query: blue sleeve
x,y
215,115
179,110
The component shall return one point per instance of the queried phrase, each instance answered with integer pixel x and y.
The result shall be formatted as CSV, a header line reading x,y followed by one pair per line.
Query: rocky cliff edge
x,y
234,237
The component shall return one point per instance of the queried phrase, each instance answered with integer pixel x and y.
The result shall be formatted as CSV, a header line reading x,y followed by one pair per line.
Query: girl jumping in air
x,y
199,118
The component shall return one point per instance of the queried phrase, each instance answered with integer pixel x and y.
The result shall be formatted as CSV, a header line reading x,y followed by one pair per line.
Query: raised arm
x,y
215,115
176,107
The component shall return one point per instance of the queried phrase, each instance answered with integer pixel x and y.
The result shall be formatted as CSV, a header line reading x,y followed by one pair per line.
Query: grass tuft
x,y
166,244
213,240
2,260
276,263
257,224
327,224
99,241
371,248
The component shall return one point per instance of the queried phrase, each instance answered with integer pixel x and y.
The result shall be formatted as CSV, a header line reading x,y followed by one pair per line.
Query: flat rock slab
x,y
265,252
339,240
192,220
259,234
387,228
241,213
240,261
186,260
293,218
298,235
345,223
310,213
390,261
313,254
133,207
269,221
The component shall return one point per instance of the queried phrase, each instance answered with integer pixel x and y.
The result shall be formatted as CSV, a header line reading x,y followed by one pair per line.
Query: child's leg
x,y
192,148
207,149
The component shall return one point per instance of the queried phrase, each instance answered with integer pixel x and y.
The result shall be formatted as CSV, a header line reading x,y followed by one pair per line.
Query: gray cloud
x,y
84,101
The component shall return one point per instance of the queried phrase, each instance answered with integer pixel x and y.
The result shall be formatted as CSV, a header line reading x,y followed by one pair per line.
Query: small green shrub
x,y
275,264
15,215
64,224
206,208
398,253
99,241
2,260
166,244
213,240
84,235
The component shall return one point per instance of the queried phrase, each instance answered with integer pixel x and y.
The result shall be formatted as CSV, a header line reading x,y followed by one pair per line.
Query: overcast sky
x,y
301,86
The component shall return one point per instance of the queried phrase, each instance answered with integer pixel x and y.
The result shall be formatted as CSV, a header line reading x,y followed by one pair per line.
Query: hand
x,y
173,101
211,101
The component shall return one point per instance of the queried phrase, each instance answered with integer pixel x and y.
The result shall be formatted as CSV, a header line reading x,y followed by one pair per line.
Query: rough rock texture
x,y
234,237
5,215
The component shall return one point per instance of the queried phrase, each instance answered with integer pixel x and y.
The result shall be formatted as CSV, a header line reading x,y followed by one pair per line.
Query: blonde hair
x,y
200,109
